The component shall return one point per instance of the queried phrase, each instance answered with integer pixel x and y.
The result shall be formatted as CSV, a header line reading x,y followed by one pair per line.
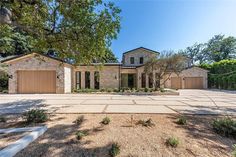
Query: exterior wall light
x,y
10,76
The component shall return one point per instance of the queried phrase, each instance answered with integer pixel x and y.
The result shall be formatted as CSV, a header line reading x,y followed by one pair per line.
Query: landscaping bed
x,y
133,135
127,91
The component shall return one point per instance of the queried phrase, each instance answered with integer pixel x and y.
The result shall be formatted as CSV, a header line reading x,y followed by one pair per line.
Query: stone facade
x,y
137,53
191,72
109,75
35,62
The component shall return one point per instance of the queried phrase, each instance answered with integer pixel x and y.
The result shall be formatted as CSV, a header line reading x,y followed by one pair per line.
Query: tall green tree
x,y
220,47
78,29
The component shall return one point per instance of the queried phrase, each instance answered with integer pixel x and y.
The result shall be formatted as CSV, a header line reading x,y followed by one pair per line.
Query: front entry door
x,y
131,80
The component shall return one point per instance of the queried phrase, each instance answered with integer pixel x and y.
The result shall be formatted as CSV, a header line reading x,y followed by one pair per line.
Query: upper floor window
x,y
131,60
141,60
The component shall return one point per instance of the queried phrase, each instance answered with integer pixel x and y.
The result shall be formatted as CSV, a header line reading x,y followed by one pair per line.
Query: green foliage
x,y
115,150
3,119
216,49
234,150
35,116
116,90
222,75
225,126
146,123
106,121
182,120
79,30
3,81
79,120
81,134
172,141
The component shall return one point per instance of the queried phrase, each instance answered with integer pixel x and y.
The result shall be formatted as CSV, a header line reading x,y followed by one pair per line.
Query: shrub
x,y
3,119
234,150
172,141
102,90
106,121
36,116
79,120
162,90
146,123
225,126
115,150
109,90
116,90
182,120
81,134
146,90
3,81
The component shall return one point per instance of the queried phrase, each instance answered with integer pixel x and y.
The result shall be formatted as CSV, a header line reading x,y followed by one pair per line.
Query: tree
x,y
163,66
220,48
80,30
196,53
14,42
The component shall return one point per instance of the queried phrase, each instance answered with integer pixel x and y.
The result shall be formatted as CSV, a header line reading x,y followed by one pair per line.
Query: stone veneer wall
x,y
36,62
192,72
137,54
109,76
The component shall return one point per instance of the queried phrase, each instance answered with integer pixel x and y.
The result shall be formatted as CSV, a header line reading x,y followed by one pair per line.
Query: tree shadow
x,y
60,140
20,106
199,127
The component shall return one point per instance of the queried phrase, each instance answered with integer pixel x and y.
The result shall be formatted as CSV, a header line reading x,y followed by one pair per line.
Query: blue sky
x,y
172,24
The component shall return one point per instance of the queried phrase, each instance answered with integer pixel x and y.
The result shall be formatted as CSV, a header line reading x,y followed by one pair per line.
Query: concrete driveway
x,y
189,102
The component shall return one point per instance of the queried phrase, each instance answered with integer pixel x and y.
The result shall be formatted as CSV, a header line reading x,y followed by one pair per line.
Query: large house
x,y
37,73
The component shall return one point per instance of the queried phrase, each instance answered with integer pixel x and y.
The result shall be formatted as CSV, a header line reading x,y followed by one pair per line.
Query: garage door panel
x,y
36,81
176,82
193,82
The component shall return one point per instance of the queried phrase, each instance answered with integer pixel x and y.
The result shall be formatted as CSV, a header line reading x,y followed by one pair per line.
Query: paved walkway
x,y
189,101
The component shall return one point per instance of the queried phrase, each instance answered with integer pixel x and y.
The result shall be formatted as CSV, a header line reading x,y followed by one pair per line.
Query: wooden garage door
x,y
176,82
36,81
193,82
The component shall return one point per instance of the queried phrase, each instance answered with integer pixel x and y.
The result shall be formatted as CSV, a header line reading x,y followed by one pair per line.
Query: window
x,y
150,80
141,60
131,60
87,79
143,80
78,80
96,80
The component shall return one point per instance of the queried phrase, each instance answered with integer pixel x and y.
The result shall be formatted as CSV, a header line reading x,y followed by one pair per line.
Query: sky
x,y
172,24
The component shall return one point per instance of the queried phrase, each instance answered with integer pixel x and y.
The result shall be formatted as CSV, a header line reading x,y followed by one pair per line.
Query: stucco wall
x,y
109,76
137,54
67,79
192,72
35,62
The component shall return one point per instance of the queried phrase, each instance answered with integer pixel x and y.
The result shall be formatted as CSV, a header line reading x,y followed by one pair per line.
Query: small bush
x,y
36,116
146,90
3,119
234,150
162,90
182,120
172,141
79,120
81,134
102,90
115,150
116,90
225,126
109,90
106,121
146,123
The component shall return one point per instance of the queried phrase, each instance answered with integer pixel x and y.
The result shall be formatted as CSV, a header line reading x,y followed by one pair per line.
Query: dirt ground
x,y
196,138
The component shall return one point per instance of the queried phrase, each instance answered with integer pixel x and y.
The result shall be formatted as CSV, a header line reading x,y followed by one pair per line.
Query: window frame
x,y
131,59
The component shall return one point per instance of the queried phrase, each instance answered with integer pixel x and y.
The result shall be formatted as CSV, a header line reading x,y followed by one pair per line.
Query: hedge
x,y
222,75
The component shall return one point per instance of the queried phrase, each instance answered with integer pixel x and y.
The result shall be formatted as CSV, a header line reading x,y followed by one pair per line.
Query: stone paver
x,y
189,101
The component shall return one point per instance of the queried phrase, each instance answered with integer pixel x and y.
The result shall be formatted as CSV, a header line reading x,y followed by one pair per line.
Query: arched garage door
x,y
37,81
193,82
